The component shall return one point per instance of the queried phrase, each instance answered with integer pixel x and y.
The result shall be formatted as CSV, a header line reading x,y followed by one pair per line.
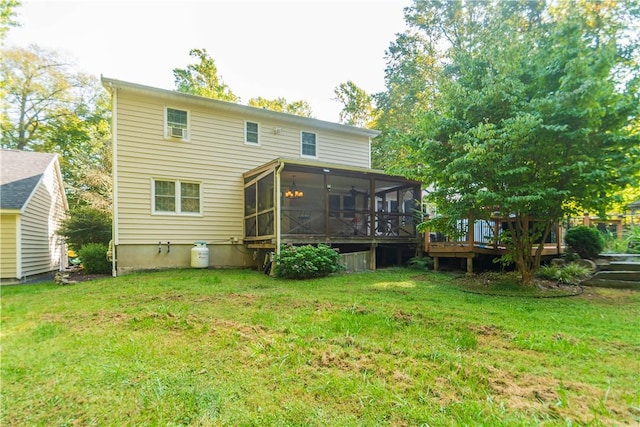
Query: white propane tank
x,y
200,255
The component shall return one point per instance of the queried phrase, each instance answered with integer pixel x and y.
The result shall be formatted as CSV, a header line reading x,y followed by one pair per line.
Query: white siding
x,y
215,155
41,247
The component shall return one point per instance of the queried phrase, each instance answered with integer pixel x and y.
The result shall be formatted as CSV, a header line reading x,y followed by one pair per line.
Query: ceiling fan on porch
x,y
354,192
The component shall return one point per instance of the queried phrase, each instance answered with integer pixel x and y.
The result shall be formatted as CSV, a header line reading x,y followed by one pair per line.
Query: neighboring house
x,y
245,180
32,206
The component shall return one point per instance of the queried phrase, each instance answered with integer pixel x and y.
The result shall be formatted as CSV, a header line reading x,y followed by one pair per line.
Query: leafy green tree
x,y
412,63
533,115
39,88
357,105
7,17
202,78
299,108
83,139
49,107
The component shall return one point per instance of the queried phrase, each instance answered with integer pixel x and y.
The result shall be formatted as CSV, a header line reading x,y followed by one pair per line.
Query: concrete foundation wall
x,y
131,258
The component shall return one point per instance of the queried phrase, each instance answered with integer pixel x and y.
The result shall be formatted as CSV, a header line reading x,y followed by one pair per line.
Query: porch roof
x,y
326,168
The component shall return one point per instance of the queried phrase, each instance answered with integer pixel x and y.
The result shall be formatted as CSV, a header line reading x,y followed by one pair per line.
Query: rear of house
x,y
32,208
182,166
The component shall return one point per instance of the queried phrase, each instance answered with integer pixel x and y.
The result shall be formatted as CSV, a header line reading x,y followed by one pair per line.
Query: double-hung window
x,y
251,133
308,144
172,196
177,123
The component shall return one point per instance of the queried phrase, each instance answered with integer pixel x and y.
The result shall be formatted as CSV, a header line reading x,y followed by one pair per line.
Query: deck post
x,y
372,256
470,265
436,263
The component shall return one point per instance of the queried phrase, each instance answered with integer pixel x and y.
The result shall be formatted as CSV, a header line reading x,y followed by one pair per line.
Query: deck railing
x,y
485,236
347,223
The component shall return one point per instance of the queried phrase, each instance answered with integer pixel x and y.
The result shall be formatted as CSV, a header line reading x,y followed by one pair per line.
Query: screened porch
x,y
308,202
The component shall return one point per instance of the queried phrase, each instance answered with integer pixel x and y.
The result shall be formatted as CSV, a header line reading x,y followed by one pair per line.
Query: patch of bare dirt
x,y
559,399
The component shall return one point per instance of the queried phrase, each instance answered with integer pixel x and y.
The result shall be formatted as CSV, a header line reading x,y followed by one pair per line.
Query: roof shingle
x,y
20,172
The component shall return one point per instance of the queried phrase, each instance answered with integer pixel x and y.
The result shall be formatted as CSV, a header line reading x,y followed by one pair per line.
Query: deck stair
x,y
617,271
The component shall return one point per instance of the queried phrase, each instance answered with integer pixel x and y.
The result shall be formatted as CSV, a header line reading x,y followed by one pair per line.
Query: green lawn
x,y
237,348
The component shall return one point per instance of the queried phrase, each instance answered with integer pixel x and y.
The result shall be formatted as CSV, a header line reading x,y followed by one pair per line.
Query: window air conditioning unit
x,y
177,132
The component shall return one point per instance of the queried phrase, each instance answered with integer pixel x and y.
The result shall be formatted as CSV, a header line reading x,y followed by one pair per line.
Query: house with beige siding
x,y
245,180
32,207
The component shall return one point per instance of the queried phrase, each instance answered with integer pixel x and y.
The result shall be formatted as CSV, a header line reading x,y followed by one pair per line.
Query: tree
x,y
39,88
48,107
533,116
86,225
299,108
357,105
7,15
412,62
202,79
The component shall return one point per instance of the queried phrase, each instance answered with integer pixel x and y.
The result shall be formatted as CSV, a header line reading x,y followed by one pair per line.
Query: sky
x,y
300,50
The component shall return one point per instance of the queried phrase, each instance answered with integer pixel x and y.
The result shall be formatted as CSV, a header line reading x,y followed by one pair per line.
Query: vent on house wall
x,y
177,132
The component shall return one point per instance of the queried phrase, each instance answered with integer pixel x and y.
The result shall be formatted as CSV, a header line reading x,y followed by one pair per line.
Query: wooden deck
x,y
480,242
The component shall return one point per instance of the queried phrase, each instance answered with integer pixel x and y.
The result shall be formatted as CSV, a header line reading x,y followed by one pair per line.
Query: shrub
x,y
586,241
570,274
304,262
573,273
94,258
86,225
632,240
420,263
548,272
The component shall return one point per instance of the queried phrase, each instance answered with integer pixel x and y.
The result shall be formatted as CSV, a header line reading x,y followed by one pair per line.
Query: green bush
x,y
632,240
420,263
86,225
570,274
94,258
573,273
305,262
587,242
548,272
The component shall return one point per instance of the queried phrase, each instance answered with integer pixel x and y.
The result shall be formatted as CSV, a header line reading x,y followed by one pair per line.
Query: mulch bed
x,y
77,274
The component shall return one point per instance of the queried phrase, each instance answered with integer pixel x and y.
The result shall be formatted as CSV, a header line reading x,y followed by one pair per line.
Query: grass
x,y
217,347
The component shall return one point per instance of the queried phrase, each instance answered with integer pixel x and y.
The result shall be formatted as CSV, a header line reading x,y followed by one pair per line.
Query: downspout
x,y
114,176
278,206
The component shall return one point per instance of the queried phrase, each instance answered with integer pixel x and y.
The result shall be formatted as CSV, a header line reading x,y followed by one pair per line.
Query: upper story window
x,y
251,133
171,196
177,123
308,144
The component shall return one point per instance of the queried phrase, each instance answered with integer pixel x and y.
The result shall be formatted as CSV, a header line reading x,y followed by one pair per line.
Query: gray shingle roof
x,y
20,172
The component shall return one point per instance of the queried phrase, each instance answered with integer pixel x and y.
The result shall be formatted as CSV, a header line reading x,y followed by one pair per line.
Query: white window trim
x,y
166,124
306,156
245,133
178,197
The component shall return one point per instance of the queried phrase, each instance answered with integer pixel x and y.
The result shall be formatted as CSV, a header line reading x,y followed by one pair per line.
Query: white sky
x,y
296,49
